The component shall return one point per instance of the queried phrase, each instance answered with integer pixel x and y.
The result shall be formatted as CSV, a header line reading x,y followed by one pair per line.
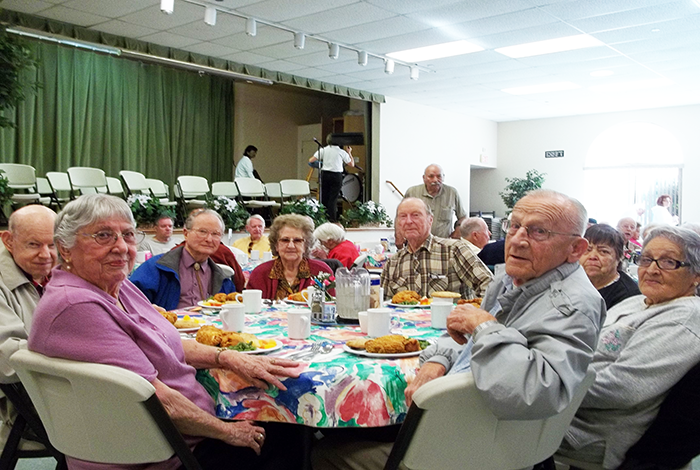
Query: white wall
x,y
414,136
521,147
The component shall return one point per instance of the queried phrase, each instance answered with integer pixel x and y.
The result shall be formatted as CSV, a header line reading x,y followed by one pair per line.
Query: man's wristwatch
x,y
482,326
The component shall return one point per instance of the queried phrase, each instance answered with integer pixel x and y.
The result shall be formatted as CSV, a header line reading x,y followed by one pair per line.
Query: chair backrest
x,y
224,188
19,176
42,186
273,190
115,186
456,418
98,412
86,179
192,186
250,187
59,181
294,188
135,182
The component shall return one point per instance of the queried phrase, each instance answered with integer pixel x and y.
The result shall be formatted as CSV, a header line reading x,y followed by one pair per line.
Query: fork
x,y
316,347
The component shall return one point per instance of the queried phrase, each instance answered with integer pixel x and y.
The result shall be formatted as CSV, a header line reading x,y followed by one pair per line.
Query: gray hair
x,y
189,223
428,210
576,214
329,231
692,226
687,240
87,210
470,225
255,216
649,227
299,222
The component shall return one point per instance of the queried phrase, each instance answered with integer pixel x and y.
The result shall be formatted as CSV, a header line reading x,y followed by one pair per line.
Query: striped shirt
x,y
440,264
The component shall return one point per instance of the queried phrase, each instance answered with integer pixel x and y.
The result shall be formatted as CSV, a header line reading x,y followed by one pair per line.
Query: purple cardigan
x,y
260,278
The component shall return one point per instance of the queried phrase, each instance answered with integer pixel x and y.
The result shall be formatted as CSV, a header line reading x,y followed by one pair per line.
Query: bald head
x,y
476,231
30,240
432,178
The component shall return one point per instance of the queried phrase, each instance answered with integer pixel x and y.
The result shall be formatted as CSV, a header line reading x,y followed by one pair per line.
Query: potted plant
x,y
517,187
6,193
365,214
234,214
15,57
147,209
307,206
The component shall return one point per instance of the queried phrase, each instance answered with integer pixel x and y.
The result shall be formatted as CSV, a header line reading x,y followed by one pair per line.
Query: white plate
x,y
213,307
296,302
278,345
362,352
390,304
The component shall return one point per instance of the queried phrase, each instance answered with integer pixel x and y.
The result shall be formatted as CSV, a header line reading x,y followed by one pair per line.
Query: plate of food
x,y
409,299
186,324
217,300
386,347
245,343
296,299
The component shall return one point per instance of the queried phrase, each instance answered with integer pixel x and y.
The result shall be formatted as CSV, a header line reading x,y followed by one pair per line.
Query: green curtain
x,y
116,114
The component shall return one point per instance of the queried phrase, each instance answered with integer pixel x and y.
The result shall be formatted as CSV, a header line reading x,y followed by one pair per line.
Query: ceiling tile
x,y
169,40
338,18
283,10
120,28
110,8
24,6
70,15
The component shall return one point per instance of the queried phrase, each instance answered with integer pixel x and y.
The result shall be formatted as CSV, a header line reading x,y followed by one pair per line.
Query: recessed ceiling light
x,y
438,51
636,85
602,73
543,88
655,30
549,46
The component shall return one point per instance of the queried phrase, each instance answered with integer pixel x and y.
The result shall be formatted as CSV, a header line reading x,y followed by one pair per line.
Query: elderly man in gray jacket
x,y
530,344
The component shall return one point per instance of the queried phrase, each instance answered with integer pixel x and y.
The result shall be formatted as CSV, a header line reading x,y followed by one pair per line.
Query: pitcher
x,y
351,292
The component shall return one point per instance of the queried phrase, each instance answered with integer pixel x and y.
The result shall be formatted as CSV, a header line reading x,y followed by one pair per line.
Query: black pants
x,y
331,182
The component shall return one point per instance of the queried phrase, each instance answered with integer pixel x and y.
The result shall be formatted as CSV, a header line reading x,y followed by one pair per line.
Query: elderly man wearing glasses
x,y
186,275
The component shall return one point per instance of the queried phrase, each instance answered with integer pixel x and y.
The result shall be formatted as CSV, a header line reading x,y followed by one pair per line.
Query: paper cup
x,y
298,324
439,310
254,255
378,322
266,256
233,317
362,316
141,256
252,299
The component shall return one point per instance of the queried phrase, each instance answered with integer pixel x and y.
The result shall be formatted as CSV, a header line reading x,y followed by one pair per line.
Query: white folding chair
x,y
253,188
100,413
449,426
294,188
135,182
159,190
187,189
87,180
44,189
21,178
59,182
115,187
225,188
274,191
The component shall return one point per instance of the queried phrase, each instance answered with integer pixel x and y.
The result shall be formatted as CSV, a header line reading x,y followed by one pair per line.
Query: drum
x,y
351,190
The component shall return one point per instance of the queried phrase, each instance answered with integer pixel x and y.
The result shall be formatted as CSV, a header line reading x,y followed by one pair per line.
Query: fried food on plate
x,y
231,296
231,338
475,302
209,335
296,297
357,343
170,316
406,297
187,322
443,294
220,297
392,344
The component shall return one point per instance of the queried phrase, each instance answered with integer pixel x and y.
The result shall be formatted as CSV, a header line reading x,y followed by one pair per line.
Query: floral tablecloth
x,y
338,389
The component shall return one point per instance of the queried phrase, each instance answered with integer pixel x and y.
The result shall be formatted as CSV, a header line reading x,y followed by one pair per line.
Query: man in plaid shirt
x,y
428,263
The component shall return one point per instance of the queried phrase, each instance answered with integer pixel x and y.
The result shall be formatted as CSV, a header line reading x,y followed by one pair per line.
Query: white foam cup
x,y
233,317
378,322
362,316
267,255
439,310
254,255
252,299
298,323
141,257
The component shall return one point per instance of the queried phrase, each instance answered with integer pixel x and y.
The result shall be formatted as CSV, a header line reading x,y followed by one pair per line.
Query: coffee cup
x,y
362,316
439,310
254,255
233,317
252,299
267,255
141,256
298,323
378,322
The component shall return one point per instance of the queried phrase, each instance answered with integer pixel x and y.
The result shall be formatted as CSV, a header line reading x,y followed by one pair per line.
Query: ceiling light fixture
x,y
414,73
210,16
333,50
251,27
299,40
550,46
167,6
362,58
542,88
437,51
388,66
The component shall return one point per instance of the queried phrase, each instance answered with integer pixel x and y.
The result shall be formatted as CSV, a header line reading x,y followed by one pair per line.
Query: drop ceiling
x,y
643,41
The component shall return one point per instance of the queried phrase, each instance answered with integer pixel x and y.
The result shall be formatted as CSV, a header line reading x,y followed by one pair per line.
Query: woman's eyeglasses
x,y
108,237
666,264
286,241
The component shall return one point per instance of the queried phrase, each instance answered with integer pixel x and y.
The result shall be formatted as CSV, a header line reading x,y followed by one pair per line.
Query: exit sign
x,y
553,154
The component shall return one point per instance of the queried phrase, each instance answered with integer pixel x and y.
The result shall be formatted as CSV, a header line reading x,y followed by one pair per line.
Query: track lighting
x,y
167,6
388,66
251,27
362,58
299,40
333,50
414,73
210,16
